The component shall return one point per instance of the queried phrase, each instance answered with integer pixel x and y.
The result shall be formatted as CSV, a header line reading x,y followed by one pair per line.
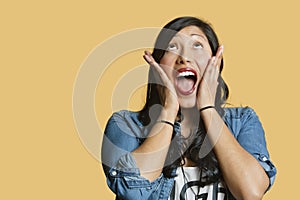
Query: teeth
x,y
187,73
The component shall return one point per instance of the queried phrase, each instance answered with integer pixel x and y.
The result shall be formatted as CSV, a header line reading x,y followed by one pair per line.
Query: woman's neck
x,y
191,116
190,122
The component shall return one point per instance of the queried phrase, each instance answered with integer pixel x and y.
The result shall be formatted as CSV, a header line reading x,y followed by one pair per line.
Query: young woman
x,y
184,144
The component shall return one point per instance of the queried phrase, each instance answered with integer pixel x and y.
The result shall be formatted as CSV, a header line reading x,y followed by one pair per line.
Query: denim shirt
x,y
124,133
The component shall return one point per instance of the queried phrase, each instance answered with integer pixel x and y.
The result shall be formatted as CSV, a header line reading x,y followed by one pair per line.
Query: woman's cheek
x,y
201,59
167,64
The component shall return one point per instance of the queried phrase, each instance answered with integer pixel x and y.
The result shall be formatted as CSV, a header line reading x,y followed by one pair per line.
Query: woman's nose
x,y
182,59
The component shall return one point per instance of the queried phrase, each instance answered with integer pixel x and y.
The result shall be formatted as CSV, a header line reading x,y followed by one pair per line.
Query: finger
x,y
219,56
220,51
152,63
149,58
211,65
212,69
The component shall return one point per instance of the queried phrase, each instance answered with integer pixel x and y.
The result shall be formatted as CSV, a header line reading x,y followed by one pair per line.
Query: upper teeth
x,y
186,73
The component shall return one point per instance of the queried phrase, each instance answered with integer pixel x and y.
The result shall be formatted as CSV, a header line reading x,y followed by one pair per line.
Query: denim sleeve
x,y
252,138
123,176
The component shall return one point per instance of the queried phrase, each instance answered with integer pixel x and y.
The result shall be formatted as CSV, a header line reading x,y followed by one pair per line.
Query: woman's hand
x,y
208,86
171,100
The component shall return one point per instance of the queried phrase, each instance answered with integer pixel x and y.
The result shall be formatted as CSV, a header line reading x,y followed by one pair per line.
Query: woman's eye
x,y
172,47
197,45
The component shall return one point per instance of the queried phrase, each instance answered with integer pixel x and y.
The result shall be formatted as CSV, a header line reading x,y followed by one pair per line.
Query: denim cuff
x,y
125,166
268,166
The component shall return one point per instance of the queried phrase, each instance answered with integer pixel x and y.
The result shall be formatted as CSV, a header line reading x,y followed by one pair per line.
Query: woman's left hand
x,y
208,85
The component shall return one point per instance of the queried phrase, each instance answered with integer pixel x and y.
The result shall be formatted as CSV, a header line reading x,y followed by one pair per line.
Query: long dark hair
x,y
207,164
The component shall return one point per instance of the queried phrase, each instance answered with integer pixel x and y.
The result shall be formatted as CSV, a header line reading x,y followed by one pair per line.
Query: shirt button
x,y
113,173
265,158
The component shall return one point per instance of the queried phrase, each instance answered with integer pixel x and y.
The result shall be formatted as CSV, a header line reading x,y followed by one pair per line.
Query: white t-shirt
x,y
186,188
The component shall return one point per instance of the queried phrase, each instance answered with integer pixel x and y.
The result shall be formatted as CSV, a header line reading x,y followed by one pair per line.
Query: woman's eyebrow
x,y
199,36
184,36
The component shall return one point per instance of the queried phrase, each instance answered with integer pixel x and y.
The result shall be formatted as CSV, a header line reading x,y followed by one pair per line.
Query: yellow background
x,y
43,44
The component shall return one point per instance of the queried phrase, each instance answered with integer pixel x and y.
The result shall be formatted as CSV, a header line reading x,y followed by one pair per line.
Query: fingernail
x,y
147,53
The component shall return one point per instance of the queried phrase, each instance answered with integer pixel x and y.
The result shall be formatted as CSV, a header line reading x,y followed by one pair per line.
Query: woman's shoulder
x,y
240,118
238,112
123,113
124,121
126,116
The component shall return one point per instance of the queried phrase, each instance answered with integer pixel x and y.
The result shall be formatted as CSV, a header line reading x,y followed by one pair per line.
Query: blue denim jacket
x,y
124,133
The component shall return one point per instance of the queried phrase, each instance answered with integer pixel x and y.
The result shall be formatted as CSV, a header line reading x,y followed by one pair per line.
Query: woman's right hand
x,y
171,100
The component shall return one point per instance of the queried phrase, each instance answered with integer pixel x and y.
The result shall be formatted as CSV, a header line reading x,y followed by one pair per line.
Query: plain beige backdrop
x,y
44,43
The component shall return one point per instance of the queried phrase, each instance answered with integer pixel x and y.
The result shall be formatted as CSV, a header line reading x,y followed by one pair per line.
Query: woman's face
x,y
185,61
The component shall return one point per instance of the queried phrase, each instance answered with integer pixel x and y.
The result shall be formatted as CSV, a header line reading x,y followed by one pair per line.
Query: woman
x,y
184,144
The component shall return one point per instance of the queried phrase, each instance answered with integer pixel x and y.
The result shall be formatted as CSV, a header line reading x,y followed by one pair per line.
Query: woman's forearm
x,y
242,173
150,156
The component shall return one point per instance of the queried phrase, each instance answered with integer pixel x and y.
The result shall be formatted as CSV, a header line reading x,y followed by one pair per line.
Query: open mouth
x,y
185,80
